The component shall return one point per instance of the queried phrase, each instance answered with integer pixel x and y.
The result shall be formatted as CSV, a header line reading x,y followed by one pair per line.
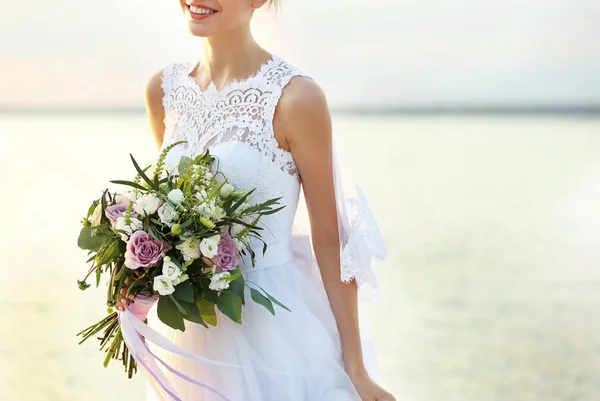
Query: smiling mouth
x,y
199,11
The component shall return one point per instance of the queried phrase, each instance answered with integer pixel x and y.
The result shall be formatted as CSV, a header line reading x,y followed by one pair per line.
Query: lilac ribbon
x,y
131,321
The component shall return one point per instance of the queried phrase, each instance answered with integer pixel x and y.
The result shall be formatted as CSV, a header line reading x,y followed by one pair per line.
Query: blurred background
x,y
473,127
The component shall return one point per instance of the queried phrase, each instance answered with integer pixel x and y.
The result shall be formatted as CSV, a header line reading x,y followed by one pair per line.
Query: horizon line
x,y
511,109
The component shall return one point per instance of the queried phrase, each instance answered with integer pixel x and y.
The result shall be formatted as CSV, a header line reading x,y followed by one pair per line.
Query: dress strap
x,y
278,76
172,76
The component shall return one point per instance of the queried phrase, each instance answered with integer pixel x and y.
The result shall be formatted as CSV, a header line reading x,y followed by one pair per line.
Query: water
x,y
492,285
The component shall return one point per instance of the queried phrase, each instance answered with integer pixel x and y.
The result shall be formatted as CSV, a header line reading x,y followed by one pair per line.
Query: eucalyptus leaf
x,y
207,311
169,314
184,292
89,240
262,300
237,286
192,313
230,304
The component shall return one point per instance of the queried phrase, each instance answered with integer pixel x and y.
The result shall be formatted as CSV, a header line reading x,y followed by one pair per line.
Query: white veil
x,y
360,239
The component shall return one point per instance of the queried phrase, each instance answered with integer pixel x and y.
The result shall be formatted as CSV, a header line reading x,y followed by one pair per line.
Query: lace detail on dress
x,y
362,233
243,111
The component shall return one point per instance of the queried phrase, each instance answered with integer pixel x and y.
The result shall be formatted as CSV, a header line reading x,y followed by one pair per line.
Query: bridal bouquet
x,y
176,239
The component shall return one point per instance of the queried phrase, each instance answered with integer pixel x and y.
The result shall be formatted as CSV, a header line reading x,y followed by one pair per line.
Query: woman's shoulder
x,y
162,80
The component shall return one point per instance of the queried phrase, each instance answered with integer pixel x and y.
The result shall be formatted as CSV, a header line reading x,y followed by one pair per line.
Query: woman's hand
x,y
123,299
368,389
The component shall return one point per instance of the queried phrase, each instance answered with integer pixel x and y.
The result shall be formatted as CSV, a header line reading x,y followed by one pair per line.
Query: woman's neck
x,y
231,56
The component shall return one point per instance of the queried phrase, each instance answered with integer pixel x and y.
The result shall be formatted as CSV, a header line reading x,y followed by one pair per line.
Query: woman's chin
x,y
199,30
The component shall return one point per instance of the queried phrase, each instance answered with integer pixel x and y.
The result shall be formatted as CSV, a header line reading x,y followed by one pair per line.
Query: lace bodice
x,y
236,125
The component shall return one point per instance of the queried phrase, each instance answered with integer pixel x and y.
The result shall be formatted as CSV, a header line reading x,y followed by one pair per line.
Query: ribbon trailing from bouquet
x,y
136,334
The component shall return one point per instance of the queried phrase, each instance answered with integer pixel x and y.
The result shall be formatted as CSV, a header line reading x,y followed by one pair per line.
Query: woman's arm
x,y
303,125
153,94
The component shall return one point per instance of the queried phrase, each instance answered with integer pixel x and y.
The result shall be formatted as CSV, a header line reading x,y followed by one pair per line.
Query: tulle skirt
x,y
292,356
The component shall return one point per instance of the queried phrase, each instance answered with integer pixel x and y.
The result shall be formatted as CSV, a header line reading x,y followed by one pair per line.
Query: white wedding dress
x,y
292,356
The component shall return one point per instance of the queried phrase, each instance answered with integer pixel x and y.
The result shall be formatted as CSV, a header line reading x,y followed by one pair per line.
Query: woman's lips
x,y
199,11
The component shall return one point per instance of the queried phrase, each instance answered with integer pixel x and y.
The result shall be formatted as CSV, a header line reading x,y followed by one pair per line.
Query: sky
x,y
384,53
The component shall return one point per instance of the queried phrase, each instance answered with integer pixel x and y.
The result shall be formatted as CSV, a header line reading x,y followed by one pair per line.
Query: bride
x,y
269,127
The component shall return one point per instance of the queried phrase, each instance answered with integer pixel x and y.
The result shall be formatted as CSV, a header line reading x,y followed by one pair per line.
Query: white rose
x,y
146,204
226,190
163,285
170,269
167,214
189,249
181,279
219,281
97,215
176,196
209,246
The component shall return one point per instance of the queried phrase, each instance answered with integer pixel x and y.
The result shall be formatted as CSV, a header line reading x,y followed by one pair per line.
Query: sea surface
x,y
491,286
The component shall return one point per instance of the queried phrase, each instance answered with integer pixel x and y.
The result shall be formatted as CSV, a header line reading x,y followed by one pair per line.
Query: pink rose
x,y
113,212
227,254
143,250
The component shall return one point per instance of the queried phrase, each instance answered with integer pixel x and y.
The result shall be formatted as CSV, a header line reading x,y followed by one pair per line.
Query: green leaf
x,y
237,287
207,311
188,311
242,200
184,163
141,172
276,301
169,314
273,211
184,292
262,300
89,240
230,304
130,183
111,252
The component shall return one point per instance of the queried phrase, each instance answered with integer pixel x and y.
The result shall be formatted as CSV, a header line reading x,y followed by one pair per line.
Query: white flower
x,y
189,249
239,244
170,269
97,215
129,229
218,214
146,204
130,195
201,195
209,246
123,199
226,190
167,214
206,209
181,279
163,285
219,281
175,196
236,229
